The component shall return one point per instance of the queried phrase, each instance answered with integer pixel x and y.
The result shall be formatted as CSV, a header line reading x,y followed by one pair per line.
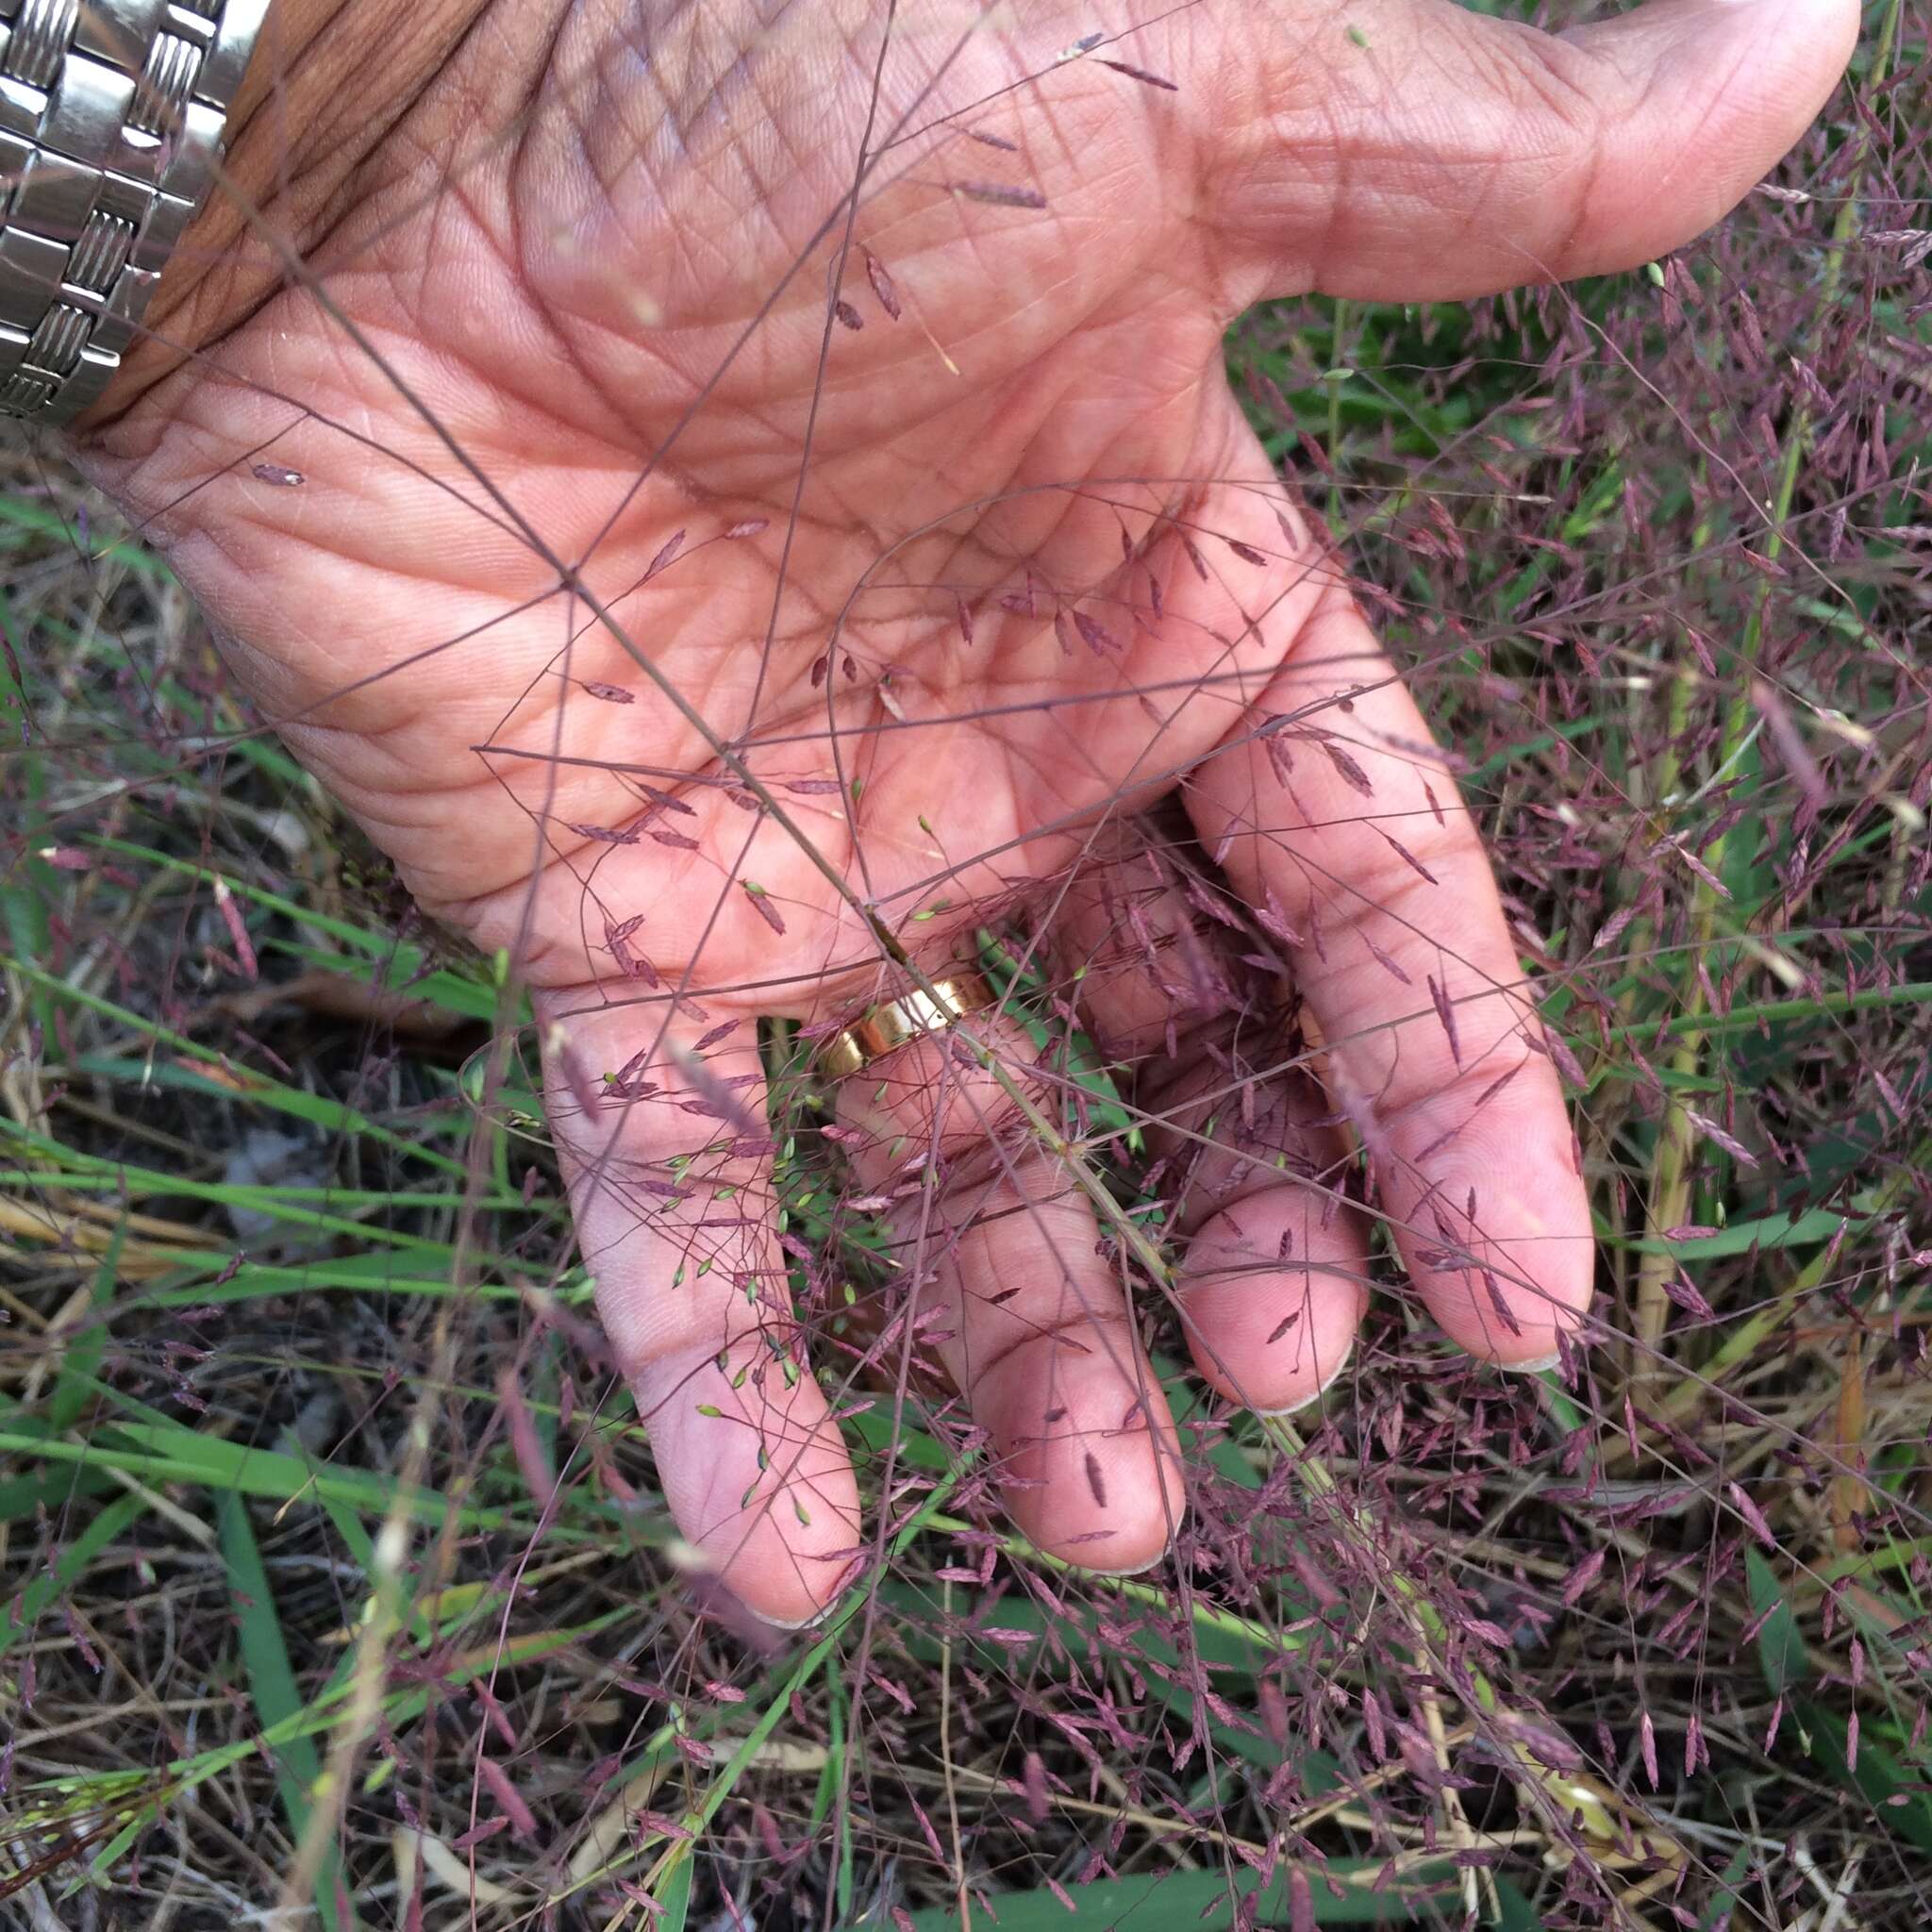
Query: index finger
x,y
1351,843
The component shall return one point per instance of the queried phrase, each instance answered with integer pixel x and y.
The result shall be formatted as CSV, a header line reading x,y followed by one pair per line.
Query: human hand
x,y
611,526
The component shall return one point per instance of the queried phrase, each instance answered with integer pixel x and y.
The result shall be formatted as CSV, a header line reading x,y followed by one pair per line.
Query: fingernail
x,y
791,1623
1314,1395
1535,1368
1132,1569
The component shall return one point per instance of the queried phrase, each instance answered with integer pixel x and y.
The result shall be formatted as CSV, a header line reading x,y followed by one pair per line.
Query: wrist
x,y
329,81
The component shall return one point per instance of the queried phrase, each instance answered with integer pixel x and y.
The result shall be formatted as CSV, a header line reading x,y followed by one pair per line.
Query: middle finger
x,y
1026,1315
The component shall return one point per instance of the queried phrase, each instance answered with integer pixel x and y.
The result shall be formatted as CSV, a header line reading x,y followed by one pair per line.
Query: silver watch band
x,y
111,117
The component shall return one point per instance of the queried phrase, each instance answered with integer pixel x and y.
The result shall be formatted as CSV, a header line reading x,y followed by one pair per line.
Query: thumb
x,y
1410,150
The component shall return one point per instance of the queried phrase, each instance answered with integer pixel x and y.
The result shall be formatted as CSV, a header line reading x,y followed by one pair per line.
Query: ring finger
x,y
1272,1284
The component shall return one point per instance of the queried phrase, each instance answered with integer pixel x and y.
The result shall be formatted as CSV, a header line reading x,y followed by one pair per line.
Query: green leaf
x,y
81,1358
1203,1901
23,1495
1898,1800
21,513
1188,1401
109,1854
1765,1232
1780,1647
79,1363
1724,1902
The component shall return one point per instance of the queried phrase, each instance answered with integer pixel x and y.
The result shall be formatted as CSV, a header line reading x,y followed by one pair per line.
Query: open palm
x,y
768,502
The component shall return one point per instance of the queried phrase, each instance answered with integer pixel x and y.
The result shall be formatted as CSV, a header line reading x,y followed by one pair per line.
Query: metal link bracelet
x,y
112,118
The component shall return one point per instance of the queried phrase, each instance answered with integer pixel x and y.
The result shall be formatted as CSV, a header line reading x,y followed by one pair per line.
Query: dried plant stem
x,y
962,1902
1848,1499
1478,1886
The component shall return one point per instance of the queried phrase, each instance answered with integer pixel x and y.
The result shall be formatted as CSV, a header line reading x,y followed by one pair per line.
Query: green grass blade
x,y
161,1454
674,1897
272,1684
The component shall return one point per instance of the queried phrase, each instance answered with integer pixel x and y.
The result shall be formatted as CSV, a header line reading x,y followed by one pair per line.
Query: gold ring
x,y
912,1015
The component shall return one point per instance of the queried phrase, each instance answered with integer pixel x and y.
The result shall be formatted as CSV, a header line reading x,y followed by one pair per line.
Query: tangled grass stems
x,y
342,1572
